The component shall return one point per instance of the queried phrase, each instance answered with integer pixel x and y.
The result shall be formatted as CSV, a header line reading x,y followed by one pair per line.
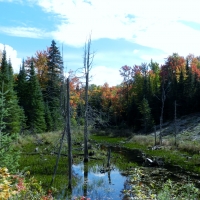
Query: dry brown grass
x,y
189,146
145,140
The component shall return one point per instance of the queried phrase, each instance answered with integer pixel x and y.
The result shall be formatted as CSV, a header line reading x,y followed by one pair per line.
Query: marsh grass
x,y
37,156
145,140
185,154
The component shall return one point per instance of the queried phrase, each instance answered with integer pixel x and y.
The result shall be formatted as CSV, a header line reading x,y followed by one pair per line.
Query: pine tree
x,y
8,156
145,110
35,107
21,86
48,118
15,116
52,94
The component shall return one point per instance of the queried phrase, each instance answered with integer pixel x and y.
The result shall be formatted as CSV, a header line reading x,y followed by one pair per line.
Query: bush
x,y
14,187
73,122
8,156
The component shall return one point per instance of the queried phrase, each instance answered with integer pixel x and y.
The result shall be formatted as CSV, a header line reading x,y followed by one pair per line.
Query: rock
x,y
36,149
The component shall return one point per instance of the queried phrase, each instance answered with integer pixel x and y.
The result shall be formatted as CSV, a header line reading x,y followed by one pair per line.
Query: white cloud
x,y
12,54
103,74
135,51
28,32
156,58
154,23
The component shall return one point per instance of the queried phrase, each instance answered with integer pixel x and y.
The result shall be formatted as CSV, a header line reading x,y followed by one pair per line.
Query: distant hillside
x,y
188,127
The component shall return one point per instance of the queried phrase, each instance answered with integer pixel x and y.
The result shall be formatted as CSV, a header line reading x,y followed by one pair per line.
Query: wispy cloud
x,y
28,32
103,74
150,23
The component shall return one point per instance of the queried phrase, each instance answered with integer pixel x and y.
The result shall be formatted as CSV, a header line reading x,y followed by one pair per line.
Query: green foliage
x,y
48,117
73,122
171,190
8,156
146,115
52,93
15,114
35,105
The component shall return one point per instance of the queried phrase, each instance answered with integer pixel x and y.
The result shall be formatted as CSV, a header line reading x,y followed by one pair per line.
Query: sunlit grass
x,y
182,154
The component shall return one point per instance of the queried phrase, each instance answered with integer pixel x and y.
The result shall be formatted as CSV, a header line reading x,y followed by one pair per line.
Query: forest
x,y
33,101
149,92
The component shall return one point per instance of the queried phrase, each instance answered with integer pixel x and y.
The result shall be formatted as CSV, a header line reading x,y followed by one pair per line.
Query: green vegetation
x,y
167,191
171,154
32,102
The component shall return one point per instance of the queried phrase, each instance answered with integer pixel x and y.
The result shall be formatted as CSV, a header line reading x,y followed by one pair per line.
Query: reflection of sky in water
x,y
100,186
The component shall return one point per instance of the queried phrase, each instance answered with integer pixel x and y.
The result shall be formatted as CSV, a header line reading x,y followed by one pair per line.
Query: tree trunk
x,y
87,66
155,135
86,122
175,125
69,138
109,151
85,186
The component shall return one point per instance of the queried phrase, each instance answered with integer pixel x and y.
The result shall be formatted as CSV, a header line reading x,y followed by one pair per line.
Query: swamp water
x,y
94,181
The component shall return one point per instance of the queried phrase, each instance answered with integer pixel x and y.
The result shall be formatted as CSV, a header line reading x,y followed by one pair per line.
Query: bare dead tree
x,y
69,138
163,98
175,124
165,90
88,59
155,136
67,131
85,187
109,153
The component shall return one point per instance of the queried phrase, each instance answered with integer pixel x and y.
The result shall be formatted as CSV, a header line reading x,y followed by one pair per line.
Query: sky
x,y
123,32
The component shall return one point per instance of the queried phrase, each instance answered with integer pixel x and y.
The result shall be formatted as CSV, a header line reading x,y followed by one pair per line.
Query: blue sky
x,y
124,32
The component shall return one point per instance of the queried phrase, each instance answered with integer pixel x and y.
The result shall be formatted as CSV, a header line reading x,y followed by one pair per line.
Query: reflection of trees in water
x,y
109,177
85,185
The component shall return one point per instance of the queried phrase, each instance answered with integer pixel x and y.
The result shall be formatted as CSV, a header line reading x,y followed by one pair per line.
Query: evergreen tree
x,y
8,156
35,107
21,86
48,118
190,90
15,115
52,94
145,110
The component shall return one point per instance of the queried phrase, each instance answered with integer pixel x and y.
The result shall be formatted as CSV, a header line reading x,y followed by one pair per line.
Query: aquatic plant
x,y
170,190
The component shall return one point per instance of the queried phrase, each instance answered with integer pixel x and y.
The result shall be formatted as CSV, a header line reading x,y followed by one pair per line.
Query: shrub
x,y
14,187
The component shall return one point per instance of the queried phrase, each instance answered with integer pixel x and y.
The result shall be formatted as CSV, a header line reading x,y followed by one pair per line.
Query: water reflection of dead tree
x,y
109,152
85,179
109,177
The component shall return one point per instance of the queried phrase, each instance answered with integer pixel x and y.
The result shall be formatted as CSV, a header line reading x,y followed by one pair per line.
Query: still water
x,y
93,182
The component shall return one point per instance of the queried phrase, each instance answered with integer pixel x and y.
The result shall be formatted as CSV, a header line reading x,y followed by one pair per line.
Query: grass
x,y
41,162
185,154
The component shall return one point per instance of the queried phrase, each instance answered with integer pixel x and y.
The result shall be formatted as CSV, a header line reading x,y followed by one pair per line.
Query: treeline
x,y
149,93
32,100
32,97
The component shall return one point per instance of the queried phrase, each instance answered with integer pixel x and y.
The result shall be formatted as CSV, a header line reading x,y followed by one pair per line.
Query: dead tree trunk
x,y
85,186
86,122
69,138
175,125
163,98
109,152
88,58
155,136
58,157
